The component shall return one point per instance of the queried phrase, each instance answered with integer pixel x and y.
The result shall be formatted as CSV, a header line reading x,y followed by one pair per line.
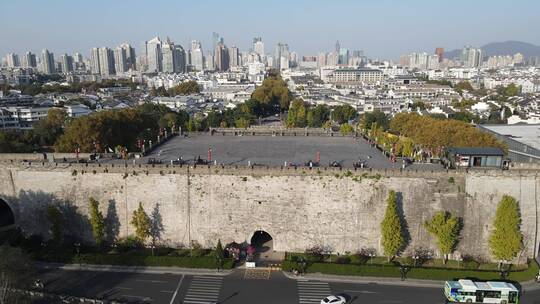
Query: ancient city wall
x,y
299,208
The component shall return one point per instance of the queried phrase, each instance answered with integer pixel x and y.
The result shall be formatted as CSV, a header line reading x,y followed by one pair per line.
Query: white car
x,y
334,300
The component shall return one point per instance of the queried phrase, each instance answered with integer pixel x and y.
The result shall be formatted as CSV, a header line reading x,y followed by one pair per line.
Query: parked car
x,y
334,300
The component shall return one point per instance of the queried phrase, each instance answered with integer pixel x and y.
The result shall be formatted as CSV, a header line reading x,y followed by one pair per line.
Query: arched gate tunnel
x,y
7,218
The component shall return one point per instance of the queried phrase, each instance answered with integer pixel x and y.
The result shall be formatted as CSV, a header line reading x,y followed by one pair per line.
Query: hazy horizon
x,y
382,29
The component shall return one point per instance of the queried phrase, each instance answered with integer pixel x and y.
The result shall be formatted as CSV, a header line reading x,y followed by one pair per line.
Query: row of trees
x,y
433,133
301,115
184,88
38,86
505,240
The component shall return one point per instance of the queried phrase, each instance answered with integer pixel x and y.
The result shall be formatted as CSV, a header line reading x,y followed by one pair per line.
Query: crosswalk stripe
x,y
203,290
311,292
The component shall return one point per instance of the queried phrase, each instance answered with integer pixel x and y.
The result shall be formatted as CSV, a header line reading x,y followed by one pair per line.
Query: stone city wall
x,y
299,208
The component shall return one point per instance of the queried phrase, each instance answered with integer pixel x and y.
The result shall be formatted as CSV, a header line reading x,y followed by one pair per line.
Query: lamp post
x,y
415,258
78,248
371,255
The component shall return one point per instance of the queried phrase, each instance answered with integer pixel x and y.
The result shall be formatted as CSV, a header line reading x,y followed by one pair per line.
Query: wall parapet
x,y
257,170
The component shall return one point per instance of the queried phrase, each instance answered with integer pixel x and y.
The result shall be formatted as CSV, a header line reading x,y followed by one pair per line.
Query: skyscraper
x,y
209,62
337,47
173,58
12,60
343,56
106,61
120,60
94,61
471,57
221,57
131,62
234,56
66,62
197,58
216,39
258,46
440,53
153,55
29,60
281,56
47,62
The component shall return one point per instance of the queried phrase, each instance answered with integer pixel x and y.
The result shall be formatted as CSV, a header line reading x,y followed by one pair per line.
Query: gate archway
x,y
7,217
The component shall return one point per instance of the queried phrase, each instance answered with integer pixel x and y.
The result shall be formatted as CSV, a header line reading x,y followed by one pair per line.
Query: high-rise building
x,y
29,60
106,61
131,62
343,56
12,60
209,62
281,56
216,39
174,58
472,57
258,46
94,61
47,62
234,56
153,55
197,60
440,53
321,59
66,62
337,47
120,60
221,57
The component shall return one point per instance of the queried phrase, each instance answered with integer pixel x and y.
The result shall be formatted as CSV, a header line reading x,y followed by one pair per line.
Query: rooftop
x,y
526,134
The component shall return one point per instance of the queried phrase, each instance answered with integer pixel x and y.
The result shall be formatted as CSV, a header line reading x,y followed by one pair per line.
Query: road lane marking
x,y
120,287
152,281
361,291
177,288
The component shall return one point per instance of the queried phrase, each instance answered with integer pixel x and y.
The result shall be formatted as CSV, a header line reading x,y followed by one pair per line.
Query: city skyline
x,y
382,35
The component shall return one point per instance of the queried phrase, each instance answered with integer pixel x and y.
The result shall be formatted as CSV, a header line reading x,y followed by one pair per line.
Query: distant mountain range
x,y
503,48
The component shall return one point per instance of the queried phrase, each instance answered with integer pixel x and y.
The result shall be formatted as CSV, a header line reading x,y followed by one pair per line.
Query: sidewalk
x,y
133,269
525,286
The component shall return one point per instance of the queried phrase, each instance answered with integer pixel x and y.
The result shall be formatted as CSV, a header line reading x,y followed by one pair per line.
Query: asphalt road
x,y
241,287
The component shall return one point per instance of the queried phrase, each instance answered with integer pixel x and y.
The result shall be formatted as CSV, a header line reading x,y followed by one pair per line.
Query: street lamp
x,y
415,258
78,248
371,255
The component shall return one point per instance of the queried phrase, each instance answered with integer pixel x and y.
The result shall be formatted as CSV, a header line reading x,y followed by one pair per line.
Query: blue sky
x,y
382,28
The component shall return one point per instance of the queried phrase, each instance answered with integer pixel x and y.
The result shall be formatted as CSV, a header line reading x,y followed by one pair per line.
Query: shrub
x,y
343,260
470,263
129,243
316,253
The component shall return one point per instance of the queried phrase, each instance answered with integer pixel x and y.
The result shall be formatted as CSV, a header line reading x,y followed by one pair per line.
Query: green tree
x,y
185,88
97,221
56,221
317,116
342,114
219,254
297,116
445,228
141,222
463,86
374,117
505,240
393,238
346,129
274,93
49,129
